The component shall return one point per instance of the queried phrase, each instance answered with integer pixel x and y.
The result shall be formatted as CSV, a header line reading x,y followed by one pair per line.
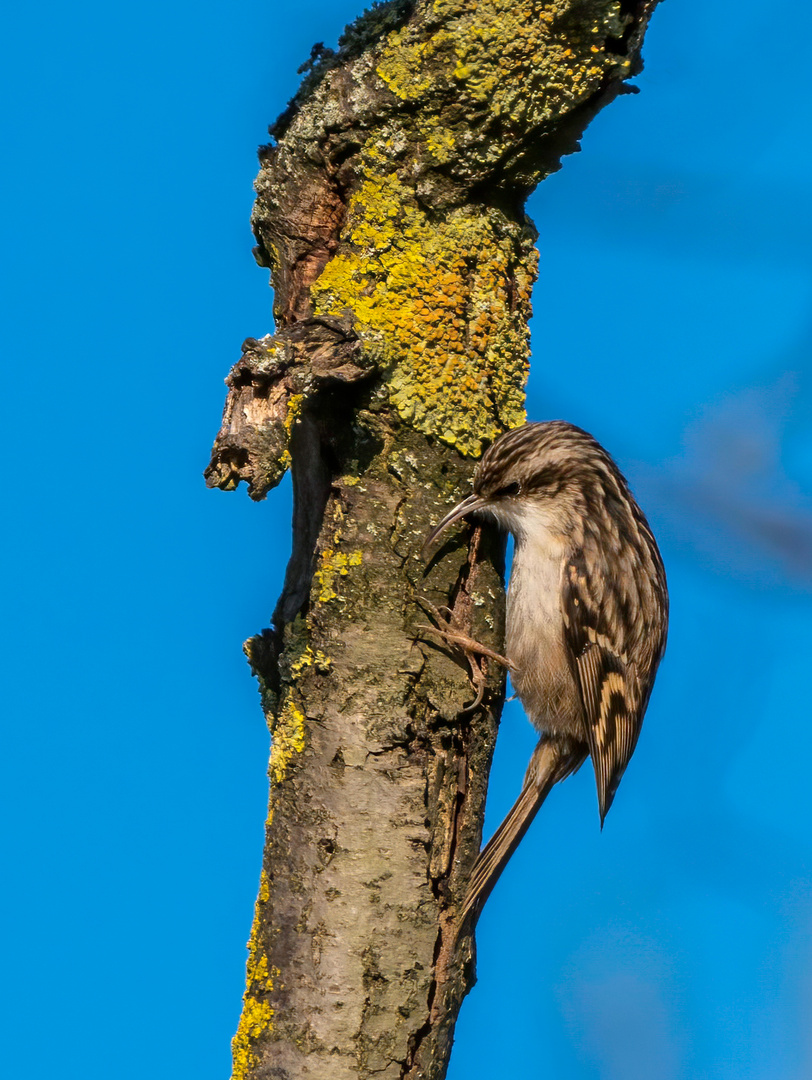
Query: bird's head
x,y
530,475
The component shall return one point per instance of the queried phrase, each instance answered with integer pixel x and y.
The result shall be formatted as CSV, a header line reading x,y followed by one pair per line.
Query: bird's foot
x,y
449,630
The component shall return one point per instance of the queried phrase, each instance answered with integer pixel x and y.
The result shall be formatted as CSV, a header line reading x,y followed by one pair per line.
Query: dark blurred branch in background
x,y
729,495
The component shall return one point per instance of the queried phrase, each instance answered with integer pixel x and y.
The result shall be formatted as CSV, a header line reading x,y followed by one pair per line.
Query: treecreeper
x,y
587,615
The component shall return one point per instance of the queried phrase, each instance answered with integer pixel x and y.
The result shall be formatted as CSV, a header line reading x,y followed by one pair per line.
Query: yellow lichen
x,y
332,566
264,888
443,299
293,412
291,416
406,76
289,739
255,1021
443,303
257,1014
441,144
485,46
307,658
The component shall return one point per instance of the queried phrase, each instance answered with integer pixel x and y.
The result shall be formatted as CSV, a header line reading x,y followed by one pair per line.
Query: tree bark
x,y
390,211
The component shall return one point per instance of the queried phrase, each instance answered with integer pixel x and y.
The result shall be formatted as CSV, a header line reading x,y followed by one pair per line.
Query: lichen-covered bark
x,y
390,211
373,818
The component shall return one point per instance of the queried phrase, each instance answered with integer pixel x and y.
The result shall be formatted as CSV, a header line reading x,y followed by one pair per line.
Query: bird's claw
x,y
450,632
468,644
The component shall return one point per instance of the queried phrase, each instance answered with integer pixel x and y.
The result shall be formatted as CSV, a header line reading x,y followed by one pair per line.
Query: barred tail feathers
x,y
553,760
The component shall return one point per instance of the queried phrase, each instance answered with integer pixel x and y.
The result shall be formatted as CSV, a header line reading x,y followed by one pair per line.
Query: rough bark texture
x,y
390,211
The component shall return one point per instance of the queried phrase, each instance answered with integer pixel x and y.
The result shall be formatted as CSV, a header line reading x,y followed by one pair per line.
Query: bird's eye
x,y
508,489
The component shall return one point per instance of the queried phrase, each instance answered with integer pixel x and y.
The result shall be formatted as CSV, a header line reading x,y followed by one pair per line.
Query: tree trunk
x,y
390,211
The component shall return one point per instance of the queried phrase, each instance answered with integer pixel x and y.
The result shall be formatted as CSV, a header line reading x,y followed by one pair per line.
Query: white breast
x,y
535,629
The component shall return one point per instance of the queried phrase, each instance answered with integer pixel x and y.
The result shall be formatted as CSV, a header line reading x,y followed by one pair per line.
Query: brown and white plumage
x,y
587,613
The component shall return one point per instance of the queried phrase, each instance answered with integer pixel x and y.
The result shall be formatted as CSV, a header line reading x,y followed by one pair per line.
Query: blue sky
x,y
675,945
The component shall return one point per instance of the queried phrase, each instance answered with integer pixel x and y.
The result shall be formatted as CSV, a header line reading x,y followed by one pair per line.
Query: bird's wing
x,y
608,682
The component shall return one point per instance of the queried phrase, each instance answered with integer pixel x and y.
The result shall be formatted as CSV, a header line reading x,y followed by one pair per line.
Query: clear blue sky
x,y
677,945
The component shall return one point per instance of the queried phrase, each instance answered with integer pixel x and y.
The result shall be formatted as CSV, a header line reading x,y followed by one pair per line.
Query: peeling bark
x,y
390,211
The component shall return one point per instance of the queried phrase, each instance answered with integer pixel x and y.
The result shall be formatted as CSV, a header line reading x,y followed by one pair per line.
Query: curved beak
x,y
461,510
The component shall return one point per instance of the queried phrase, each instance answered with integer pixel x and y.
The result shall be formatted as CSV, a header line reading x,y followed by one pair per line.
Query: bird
x,y
586,614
